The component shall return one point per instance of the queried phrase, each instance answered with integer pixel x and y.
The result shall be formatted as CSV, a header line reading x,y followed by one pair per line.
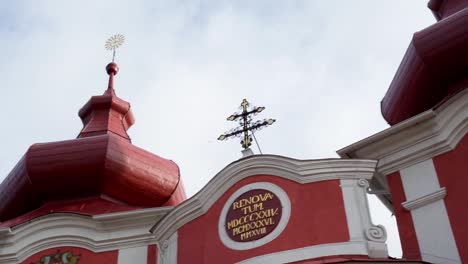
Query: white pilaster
x,y
431,222
167,250
360,226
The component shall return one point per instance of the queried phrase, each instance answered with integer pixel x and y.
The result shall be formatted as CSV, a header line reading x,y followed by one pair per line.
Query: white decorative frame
x,y
97,233
286,212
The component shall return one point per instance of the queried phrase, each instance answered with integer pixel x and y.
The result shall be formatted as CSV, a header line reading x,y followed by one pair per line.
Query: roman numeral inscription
x,y
253,215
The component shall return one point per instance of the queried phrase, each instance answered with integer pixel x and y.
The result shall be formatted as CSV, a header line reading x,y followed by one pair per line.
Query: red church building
x,y
100,199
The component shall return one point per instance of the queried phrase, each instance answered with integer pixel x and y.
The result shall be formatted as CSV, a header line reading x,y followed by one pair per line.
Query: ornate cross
x,y
246,124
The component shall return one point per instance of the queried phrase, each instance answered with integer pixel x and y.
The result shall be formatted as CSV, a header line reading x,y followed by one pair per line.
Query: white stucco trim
x,y
301,171
431,223
425,199
323,250
167,250
96,233
414,140
358,218
286,212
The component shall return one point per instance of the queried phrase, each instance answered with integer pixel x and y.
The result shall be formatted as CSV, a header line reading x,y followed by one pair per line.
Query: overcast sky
x,y
319,67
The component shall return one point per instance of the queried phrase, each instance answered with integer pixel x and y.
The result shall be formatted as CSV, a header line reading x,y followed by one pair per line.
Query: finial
x,y
246,125
114,42
112,69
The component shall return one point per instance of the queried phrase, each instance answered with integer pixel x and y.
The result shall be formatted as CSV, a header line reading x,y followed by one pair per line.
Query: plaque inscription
x,y
253,215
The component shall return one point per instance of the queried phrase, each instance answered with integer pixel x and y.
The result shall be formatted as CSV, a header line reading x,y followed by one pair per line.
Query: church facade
x,y
100,199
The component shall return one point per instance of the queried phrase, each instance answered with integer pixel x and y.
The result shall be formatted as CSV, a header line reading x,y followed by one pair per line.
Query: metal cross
x,y
246,124
244,104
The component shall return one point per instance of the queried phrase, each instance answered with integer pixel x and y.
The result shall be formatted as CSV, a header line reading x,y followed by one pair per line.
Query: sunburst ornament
x,y
114,42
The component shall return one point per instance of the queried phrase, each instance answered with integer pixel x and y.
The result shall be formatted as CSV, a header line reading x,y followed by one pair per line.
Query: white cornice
x,y
425,200
301,171
96,233
419,138
414,140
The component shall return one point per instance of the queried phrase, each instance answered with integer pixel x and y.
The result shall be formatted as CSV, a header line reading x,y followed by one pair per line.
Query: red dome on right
x,y
435,66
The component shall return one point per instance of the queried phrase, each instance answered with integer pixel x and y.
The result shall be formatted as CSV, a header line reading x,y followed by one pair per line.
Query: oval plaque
x,y
254,215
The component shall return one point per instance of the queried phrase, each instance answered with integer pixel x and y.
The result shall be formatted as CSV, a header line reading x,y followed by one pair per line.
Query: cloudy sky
x,y
319,67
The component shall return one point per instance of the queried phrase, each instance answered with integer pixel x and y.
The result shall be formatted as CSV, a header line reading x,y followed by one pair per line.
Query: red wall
x,y
86,256
152,254
452,172
409,242
317,217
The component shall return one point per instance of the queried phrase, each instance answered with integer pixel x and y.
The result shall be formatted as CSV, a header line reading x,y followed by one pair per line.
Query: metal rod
x,y
256,142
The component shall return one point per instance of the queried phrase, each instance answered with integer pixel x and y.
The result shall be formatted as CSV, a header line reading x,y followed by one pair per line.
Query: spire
x,y
112,69
106,113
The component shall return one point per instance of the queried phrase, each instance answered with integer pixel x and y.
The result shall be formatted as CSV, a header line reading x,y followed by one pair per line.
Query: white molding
x,y
95,233
286,212
419,179
358,218
425,200
167,250
323,250
434,234
431,222
414,140
301,171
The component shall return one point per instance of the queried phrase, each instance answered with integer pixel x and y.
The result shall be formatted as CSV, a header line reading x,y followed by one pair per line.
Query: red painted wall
x,y
317,217
86,256
452,172
152,254
409,242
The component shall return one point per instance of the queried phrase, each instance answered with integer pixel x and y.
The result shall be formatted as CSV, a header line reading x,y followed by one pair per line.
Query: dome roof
x,y
434,66
102,162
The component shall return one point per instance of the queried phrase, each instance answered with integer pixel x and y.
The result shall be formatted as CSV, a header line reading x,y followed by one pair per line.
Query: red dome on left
x,y
99,172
